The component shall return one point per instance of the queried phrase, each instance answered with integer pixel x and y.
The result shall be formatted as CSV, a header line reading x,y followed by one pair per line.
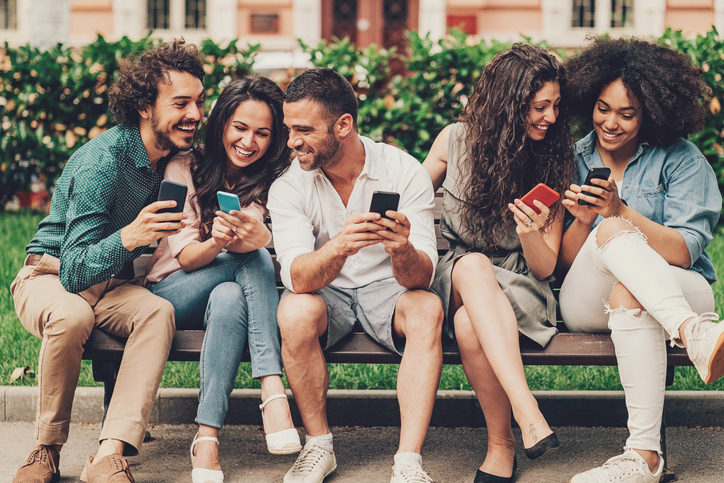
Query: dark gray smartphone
x,y
383,201
594,173
171,190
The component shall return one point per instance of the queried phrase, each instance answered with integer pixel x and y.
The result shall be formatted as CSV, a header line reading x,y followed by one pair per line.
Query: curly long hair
x,y
662,81
137,87
209,163
502,162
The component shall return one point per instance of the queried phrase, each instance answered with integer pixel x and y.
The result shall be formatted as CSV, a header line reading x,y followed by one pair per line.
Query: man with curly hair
x,y
78,274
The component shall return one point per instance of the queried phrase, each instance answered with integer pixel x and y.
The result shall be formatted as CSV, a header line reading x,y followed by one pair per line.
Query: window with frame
x,y
8,14
616,13
176,14
264,23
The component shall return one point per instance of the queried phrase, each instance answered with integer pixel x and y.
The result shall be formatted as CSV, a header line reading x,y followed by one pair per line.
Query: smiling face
x,y
543,110
176,114
247,135
312,138
617,120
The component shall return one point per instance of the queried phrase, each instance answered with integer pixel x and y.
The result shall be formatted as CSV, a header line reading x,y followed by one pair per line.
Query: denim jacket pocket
x,y
651,192
651,202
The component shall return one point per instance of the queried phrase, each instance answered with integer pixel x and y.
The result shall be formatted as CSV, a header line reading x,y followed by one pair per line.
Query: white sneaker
x,y
629,467
409,474
312,466
704,345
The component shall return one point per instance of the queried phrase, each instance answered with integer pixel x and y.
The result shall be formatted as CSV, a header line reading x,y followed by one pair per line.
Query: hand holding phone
x,y
542,193
171,190
594,173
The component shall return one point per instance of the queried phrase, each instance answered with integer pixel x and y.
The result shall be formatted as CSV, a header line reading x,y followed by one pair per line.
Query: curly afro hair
x,y
137,86
663,82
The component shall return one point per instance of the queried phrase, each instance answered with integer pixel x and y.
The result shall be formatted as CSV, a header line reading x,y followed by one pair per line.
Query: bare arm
x,y
411,268
250,234
436,161
540,246
315,270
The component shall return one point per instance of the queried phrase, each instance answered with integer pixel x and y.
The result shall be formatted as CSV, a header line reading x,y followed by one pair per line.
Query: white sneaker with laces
x,y
705,346
312,466
403,473
629,467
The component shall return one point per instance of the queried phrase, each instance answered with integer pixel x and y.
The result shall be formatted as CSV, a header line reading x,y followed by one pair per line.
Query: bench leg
x,y
667,475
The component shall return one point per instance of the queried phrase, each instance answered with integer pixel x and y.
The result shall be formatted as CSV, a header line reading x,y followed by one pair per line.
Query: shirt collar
x,y
587,146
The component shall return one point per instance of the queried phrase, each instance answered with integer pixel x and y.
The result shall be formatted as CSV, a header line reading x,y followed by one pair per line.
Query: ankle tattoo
x,y
532,433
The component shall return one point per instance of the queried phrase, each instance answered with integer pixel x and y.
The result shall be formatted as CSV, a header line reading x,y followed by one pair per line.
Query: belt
x,y
33,259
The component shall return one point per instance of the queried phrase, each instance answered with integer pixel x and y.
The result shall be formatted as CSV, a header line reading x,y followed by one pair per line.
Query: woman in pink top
x,y
217,271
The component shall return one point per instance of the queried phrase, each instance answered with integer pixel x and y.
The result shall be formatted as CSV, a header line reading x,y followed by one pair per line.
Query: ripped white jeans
x,y
669,295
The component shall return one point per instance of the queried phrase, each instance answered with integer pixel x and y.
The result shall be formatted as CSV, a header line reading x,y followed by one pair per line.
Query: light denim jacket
x,y
674,186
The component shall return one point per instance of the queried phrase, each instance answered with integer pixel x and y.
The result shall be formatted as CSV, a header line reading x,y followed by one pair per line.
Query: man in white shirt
x,y
341,264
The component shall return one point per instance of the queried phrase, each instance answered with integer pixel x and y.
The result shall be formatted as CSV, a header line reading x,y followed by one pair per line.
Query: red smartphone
x,y
542,193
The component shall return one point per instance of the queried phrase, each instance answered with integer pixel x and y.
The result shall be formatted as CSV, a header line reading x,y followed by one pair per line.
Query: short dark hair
x,y
663,81
137,88
328,89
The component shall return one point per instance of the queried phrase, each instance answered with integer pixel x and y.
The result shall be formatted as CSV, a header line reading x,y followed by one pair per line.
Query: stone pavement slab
x,y
365,454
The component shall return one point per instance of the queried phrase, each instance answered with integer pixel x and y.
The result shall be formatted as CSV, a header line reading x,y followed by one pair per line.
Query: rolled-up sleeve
x,y
417,203
292,230
693,203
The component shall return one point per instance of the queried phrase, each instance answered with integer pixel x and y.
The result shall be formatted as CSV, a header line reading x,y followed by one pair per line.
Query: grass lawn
x,y
18,348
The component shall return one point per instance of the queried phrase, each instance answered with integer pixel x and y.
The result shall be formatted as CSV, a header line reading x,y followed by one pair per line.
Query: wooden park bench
x,y
564,349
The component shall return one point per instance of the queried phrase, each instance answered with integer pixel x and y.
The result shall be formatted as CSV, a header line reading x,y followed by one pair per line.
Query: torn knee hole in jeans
x,y
636,314
630,230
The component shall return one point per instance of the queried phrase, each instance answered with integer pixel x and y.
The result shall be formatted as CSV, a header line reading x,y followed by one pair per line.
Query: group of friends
x,y
631,260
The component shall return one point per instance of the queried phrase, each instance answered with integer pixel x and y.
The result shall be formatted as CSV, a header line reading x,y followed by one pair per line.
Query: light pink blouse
x,y
163,262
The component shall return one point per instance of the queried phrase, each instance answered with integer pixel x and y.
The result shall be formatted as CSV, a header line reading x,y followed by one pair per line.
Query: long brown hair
x,y
502,163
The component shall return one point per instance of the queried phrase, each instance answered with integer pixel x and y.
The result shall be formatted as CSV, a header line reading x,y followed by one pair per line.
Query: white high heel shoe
x,y
285,441
203,475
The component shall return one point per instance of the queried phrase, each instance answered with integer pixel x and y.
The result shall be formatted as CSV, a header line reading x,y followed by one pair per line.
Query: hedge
x,y
54,101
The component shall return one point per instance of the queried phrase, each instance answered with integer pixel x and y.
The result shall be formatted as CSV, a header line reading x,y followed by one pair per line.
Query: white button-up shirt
x,y
307,211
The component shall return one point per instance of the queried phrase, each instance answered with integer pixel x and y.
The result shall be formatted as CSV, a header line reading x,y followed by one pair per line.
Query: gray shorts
x,y
372,305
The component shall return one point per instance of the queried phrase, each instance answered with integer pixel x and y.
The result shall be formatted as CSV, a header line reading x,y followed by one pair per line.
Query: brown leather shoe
x,y
109,469
41,466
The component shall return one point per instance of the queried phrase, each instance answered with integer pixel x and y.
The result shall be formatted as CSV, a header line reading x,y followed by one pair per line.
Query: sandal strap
x,y
270,399
198,439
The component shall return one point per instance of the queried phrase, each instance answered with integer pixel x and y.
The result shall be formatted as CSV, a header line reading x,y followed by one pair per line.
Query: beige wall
x,y
91,17
691,16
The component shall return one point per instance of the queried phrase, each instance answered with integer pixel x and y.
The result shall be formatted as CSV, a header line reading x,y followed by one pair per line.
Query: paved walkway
x,y
365,453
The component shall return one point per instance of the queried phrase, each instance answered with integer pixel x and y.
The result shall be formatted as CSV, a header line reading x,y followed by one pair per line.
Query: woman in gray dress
x,y
494,280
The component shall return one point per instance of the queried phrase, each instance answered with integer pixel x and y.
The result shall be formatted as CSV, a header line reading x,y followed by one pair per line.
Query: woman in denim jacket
x,y
635,256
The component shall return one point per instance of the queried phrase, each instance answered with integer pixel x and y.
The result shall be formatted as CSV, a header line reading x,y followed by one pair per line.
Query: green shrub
x,y
54,101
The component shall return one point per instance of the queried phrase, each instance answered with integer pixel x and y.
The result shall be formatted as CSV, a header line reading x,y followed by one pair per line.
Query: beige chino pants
x,y
65,320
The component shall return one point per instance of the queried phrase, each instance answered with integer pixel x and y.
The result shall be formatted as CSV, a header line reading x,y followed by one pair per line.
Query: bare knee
x,y
473,266
620,297
301,317
418,314
612,227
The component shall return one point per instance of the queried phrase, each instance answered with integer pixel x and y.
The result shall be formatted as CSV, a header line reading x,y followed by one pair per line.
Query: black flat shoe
x,y
483,477
546,445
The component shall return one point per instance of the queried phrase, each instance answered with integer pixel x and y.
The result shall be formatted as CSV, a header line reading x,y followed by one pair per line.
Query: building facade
x,y
276,24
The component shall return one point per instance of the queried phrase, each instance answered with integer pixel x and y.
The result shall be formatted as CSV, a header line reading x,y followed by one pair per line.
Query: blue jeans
x,y
236,294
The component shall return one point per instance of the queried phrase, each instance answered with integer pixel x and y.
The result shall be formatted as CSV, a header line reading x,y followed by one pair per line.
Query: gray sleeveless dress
x,y
532,299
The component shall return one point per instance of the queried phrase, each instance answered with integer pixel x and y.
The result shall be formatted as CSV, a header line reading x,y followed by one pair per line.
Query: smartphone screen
x,y
228,201
594,173
383,201
171,190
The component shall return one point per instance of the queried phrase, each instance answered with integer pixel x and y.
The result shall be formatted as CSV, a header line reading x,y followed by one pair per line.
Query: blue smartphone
x,y
228,201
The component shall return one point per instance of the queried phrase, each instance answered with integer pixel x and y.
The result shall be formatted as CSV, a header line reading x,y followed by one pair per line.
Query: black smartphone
x,y
171,190
383,201
594,173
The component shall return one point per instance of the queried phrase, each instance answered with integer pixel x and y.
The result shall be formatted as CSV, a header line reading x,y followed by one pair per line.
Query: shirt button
x,y
626,186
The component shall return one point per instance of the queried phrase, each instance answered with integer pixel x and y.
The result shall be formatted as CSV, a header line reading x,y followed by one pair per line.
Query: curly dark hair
x,y
137,87
662,81
208,167
502,162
